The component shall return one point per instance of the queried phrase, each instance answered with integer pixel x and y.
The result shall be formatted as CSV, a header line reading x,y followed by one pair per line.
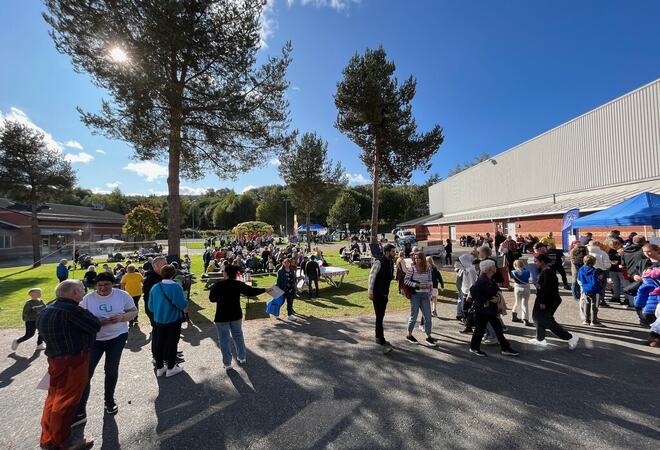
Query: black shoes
x,y
79,419
510,352
111,408
466,330
477,352
412,339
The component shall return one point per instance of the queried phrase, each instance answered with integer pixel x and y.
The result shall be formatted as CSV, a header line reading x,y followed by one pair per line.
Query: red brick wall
x,y
536,226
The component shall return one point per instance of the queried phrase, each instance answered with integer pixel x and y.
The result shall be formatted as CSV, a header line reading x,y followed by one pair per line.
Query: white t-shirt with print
x,y
118,302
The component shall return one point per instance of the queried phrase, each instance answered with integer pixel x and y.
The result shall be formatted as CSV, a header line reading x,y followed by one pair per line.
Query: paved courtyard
x,y
320,383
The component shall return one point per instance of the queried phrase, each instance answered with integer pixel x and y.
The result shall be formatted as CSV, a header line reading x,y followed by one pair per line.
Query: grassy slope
x,y
350,299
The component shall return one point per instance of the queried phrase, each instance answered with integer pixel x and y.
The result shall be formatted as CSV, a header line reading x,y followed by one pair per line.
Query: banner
x,y
567,227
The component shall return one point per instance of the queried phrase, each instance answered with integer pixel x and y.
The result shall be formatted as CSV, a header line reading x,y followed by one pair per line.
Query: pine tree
x,y
310,176
375,112
183,80
32,173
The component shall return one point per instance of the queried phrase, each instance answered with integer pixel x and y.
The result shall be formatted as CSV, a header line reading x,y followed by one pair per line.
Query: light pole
x,y
79,234
286,218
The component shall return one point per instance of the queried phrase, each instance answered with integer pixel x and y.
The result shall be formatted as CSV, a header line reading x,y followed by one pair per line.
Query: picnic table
x,y
330,273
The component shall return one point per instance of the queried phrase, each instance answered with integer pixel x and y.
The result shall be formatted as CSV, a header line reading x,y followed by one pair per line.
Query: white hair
x,y
68,287
486,264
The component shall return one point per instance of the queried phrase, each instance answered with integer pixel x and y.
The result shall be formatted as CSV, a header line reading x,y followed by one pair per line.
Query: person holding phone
x,y
420,279
114,308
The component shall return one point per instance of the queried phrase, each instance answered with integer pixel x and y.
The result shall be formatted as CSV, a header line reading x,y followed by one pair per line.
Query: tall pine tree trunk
x,y
173,181
36,235
309,243
375,190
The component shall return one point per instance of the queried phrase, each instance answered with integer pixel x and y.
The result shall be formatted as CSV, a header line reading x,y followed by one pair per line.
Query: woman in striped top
x,y
420,280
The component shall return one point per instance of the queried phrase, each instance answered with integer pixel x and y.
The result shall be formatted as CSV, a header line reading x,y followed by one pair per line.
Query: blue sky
x,y
492,73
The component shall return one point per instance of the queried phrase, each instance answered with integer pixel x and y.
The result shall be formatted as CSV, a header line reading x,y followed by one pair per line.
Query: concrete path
x,y
321,383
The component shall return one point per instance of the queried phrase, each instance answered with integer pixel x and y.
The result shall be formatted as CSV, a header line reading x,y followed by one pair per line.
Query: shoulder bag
x,y
185,317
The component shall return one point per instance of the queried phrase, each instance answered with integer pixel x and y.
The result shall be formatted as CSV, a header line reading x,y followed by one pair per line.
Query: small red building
x,y
58,226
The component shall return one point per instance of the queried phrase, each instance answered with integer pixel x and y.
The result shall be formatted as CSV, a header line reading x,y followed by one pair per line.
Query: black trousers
x,y
545,320
30,330
316,283
482,322
448,259
136,300
289,302
562,272
166,338
380,305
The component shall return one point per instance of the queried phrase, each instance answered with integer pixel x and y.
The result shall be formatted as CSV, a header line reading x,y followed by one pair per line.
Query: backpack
x,y
578,255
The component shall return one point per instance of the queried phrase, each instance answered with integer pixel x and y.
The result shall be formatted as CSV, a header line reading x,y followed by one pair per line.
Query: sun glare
x,y
118,55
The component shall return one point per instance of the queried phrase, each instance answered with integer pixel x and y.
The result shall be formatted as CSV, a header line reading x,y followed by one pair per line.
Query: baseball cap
x,y
539,245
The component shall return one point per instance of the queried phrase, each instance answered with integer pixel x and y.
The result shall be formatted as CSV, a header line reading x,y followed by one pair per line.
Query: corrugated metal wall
x,y
616,143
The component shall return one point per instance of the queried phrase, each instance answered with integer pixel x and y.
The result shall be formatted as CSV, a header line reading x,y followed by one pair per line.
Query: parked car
x,y
396,230
404,234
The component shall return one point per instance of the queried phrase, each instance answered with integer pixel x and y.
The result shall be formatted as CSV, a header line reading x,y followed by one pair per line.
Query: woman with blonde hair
x,y
420,280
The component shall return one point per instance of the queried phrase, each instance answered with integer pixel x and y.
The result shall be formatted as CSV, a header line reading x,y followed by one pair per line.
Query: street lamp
x,y
79,234
286,217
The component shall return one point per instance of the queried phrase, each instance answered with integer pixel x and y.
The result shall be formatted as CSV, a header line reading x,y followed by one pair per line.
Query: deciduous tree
x,y
345,210
142,222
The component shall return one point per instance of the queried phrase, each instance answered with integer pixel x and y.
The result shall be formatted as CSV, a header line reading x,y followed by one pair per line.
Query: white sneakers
x,y
227,366
41,346
573,342
292,317
14,344
542,343
241,361
160,372
174,371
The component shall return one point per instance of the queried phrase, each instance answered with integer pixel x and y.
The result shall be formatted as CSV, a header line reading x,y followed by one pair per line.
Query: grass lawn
x,y
348,300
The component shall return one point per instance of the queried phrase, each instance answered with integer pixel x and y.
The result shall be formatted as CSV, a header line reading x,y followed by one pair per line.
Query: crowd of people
x,y
79,327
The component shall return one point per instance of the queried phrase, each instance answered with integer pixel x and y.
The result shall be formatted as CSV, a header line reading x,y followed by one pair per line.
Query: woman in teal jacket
x,y
169,306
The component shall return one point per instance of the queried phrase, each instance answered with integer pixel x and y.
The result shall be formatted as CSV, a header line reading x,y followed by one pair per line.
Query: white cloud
x,y
247,188
274,162
268,23
81,157
357,178
155,192
148,169
113,185
188,190
98,190
338,5
295,88
101,152
73,144
19,116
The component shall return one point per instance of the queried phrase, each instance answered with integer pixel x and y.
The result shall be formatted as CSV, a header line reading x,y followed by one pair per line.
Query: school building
x,y
58,225
592,162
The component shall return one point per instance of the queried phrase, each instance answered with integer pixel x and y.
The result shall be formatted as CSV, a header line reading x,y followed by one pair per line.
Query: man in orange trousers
x,y
69,331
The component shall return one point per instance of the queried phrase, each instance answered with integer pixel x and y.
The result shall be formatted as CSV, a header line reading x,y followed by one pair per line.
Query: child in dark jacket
x,y
30,311
589,281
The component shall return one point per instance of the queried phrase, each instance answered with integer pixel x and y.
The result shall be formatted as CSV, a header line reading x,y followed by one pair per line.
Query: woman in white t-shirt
x,y
114,308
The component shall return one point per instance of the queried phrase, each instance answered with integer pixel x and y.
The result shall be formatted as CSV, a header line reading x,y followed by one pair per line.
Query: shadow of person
x,y
22,363
322,328
137,339
239,383
110,433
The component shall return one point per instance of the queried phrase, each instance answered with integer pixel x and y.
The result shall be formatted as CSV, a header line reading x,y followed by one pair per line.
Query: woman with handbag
x,y
169,307
420,280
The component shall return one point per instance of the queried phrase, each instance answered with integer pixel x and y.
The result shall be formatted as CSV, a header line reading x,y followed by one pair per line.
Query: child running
x,y
31,310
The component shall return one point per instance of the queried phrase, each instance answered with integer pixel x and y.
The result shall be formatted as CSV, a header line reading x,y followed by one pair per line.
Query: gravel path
x,y
322,383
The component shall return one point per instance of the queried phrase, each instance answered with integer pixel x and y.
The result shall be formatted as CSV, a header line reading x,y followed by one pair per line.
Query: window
x,y
5,241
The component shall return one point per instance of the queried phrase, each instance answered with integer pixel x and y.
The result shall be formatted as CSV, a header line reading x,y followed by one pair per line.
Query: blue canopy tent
x,y
642,209
314,227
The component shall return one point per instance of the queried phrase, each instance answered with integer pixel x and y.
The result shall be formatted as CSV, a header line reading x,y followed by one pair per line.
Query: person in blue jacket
x,y
286,280
62,270
590,284
168,304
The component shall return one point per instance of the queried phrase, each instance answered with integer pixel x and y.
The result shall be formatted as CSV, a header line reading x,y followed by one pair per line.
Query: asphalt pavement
x,y
323,383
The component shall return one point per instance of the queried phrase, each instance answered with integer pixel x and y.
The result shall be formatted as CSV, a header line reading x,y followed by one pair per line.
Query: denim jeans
x,y
459,306
420,300
112,349
617,284
228,331
601,295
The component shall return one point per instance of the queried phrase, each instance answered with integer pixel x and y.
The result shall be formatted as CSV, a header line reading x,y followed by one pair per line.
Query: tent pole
x,y
645,235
